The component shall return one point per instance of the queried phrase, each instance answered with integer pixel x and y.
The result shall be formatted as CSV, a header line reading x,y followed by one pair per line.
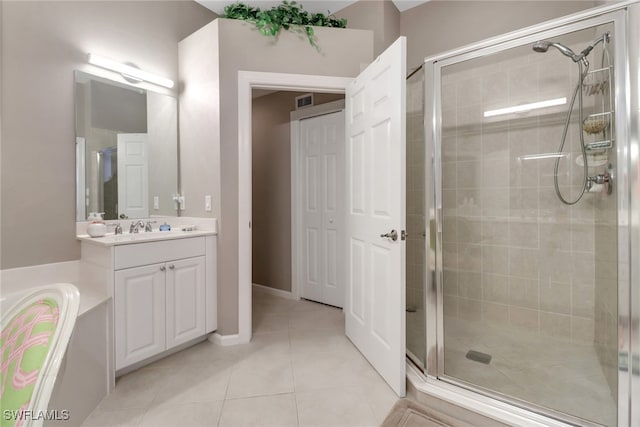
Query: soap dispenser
x,y
97,228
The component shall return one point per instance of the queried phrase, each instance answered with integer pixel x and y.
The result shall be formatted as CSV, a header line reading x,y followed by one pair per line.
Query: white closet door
x,y
322,147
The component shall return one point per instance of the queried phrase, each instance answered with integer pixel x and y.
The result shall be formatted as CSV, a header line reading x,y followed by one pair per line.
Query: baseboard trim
x,y
272,291
224,340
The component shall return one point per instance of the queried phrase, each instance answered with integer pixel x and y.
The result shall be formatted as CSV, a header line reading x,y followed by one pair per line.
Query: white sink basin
x,y
128,238
142,236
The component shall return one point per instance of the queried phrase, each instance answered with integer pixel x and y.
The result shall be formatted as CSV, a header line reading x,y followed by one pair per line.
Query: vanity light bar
x,y
129,71
526,107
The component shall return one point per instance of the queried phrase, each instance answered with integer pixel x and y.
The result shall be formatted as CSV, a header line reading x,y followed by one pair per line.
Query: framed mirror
x,y
126,150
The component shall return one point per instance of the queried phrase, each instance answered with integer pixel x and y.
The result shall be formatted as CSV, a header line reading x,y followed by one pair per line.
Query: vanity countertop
x,y
111,239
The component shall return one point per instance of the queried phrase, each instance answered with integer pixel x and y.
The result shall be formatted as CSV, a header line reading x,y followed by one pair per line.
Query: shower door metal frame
x,y
627,148
633,164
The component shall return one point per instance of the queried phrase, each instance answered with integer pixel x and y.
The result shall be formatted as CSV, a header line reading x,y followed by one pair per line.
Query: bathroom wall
x,y
42,43
441,25
199,121
380,16
271,202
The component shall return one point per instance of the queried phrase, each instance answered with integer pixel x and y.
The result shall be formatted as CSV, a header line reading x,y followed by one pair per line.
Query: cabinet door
x,y
139,313
185,300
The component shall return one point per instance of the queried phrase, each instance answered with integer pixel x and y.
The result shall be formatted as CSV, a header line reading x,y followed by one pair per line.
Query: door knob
x,y
393,235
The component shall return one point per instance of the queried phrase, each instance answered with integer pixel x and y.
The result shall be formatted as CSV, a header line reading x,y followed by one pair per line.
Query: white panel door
x,y
322,153
139,313
186,302
375,171
133,175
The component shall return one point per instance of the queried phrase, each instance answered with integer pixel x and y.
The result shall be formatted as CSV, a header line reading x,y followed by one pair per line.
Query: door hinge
x,y
403,235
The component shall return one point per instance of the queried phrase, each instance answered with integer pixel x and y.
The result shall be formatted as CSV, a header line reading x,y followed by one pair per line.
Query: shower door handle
x,y
393,235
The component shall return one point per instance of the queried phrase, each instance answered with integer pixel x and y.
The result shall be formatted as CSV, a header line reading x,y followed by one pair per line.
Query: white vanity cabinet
x,y
158,307
164,293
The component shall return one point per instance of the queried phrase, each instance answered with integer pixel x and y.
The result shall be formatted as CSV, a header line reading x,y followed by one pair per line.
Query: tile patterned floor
x,y
299,370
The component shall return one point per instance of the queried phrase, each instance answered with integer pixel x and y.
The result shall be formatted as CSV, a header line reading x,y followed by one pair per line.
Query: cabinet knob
x,y
171,266
162,268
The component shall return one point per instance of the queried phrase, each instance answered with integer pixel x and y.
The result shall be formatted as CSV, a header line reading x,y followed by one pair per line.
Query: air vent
x,y
304,101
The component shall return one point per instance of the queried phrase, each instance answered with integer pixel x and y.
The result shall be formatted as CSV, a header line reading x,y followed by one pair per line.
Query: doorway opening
x,y
247,82
297,175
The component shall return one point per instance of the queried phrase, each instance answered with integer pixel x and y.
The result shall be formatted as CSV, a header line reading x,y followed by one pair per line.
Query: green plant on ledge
x,y
288,15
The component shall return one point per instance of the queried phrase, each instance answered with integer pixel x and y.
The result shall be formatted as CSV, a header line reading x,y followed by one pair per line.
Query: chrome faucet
x,y
136,226
148,227
117,229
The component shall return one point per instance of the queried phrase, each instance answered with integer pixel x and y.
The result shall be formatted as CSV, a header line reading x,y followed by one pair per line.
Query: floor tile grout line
x,y
295,399
370,405
293,376
221,412
280,393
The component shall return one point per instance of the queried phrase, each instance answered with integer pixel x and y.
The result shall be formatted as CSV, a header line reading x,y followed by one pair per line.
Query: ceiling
x,y
313,6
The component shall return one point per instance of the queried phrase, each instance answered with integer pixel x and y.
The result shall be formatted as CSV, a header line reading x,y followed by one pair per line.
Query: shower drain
x,y
478,356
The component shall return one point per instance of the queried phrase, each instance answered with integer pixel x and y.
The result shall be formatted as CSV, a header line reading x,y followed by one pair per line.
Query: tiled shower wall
x,y
513,253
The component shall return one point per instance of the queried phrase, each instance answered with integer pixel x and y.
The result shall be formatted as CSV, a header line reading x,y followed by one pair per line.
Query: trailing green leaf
x,y
289,15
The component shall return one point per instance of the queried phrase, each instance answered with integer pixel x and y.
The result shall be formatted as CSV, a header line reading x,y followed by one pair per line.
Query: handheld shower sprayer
x,y
542,46
583,68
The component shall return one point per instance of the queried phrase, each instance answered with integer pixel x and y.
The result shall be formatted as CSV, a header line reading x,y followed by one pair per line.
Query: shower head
x,y
543,46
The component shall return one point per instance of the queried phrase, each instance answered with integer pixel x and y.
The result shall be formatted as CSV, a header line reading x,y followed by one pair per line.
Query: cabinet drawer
x,y
137,254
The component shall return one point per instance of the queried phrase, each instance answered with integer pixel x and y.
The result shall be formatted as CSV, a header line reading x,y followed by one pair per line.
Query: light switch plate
x,y
207,203
156,202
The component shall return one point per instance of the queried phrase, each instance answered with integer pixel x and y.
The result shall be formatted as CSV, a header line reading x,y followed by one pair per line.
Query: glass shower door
x,y
528,282
416,252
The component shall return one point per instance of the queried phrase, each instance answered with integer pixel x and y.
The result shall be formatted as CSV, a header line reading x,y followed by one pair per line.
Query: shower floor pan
x,y
536,368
